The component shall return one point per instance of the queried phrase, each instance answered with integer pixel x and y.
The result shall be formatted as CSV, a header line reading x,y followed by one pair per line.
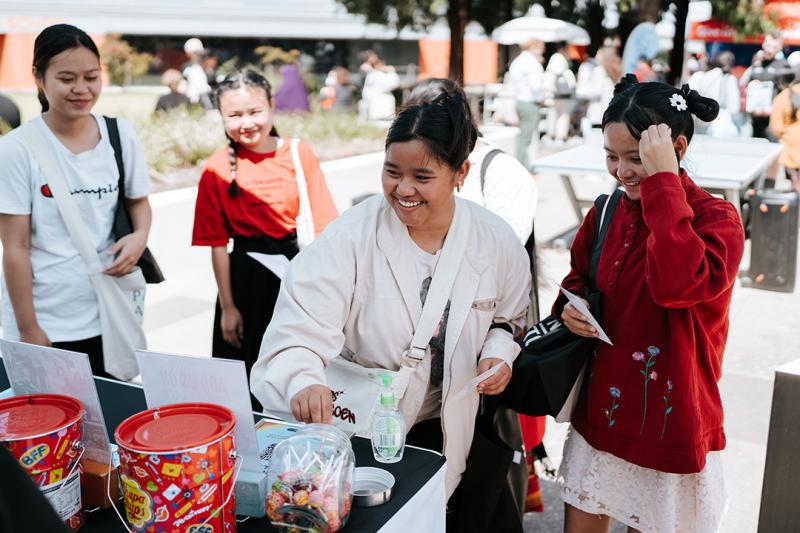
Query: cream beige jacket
x,y
355,290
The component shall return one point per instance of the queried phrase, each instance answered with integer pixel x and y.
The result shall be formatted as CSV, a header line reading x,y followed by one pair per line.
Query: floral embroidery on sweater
x,y
615,394
649,375
667,407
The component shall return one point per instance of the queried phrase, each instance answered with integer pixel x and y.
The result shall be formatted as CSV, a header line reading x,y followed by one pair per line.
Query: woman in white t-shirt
x,y
48,298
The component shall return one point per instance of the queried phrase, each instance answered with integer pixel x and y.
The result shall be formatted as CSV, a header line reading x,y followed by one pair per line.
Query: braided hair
x,y
641,105
441,119
236,80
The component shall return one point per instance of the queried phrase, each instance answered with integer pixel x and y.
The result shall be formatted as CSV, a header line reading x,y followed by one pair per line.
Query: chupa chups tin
x,y
44,432
176,469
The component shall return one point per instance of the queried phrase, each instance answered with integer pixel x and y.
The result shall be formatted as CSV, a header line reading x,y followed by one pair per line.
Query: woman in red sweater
x,y
646,433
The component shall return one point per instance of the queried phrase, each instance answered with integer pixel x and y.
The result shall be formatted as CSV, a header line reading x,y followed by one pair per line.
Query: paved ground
x,y
179,317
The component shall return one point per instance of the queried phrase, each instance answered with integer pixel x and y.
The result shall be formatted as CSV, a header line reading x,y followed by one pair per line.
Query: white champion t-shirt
x,y
63,297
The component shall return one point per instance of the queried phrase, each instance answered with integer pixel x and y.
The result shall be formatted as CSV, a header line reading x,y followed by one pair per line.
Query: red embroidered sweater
x,y
667,271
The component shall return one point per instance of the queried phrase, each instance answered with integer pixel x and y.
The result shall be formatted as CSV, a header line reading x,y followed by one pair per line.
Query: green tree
x,y
419,14
746,16
122,61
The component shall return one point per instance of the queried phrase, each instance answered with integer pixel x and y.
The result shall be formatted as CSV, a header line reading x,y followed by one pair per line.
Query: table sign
x,y
172,378
34,369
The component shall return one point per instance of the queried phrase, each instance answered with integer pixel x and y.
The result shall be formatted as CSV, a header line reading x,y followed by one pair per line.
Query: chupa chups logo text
x,y
137,503
342,412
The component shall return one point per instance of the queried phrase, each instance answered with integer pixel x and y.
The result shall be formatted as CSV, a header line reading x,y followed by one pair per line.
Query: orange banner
x,y
480,60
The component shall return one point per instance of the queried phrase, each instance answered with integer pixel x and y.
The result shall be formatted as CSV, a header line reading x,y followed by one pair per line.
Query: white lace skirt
x,y
647,500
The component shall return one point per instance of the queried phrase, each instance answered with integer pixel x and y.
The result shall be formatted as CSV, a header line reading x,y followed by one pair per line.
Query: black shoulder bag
x,y
552,357
122,218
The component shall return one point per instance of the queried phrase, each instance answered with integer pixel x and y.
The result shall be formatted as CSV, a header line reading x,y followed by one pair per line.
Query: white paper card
x,y
276,263
473,383
171,378
36,369
578,304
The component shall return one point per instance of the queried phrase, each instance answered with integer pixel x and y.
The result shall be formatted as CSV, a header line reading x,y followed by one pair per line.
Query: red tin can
x,y
176,468
44,432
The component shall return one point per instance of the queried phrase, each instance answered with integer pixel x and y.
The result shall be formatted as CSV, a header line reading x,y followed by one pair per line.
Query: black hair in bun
x,y
641,105
626,82
706,109
438,115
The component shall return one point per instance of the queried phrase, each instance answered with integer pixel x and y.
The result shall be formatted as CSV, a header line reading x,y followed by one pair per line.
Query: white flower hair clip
x,y
678,102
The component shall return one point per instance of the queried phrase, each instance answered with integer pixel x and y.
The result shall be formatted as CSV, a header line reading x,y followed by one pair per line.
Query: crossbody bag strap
x,y
76,227
485,166
609,203
300,175
444,277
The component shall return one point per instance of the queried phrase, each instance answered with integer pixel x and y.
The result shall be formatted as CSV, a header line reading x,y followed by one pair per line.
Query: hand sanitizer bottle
x,y
388,427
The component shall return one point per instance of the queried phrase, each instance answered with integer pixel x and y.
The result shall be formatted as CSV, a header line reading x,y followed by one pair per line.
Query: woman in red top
x,y
646,432
248,192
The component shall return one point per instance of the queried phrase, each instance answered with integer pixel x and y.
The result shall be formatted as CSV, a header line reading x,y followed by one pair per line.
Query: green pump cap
x,y
387,396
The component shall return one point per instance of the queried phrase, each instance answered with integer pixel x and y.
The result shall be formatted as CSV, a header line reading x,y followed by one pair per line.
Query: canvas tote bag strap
x,y
305,214
43,151
444,277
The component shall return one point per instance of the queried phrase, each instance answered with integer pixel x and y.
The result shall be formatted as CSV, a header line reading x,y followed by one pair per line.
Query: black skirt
x,y
255,290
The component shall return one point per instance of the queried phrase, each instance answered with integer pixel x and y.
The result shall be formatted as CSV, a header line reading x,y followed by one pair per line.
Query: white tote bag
x,y
355,388
120,300
305,218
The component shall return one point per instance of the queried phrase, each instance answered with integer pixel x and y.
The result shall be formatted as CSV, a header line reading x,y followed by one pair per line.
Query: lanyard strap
x,y
48,162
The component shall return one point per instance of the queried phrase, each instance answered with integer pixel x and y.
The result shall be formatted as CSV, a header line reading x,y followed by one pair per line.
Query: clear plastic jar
x,y
309,480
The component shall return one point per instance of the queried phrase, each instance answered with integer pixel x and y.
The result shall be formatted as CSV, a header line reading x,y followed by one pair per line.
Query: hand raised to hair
x,y
657,151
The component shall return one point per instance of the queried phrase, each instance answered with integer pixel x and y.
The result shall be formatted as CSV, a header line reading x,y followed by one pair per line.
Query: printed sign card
x,y
171,378
36,369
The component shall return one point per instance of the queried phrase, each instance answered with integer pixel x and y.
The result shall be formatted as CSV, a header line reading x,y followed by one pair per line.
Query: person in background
x,y
210,64
784,122
525,75
558,85
644,71
171,78
370,61
377,101
197,89
719,84
647,430
359,288
613,42
337,95
248,193
598,87
696,62
292,95
761,82
48,297
9,112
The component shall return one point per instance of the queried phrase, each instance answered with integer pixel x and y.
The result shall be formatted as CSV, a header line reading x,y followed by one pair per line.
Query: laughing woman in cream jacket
x,y
358,290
